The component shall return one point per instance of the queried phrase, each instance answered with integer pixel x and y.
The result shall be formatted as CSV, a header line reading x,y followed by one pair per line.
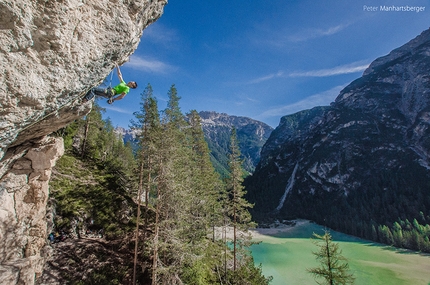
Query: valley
x,y
195,197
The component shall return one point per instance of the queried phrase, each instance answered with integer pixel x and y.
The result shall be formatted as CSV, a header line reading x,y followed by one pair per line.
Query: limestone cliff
x,y
51,53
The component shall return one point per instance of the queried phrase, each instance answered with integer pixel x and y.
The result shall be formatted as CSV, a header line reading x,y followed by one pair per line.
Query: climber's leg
x,y
103,92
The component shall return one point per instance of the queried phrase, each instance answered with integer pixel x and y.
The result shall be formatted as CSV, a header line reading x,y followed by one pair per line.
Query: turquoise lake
x,y
287,255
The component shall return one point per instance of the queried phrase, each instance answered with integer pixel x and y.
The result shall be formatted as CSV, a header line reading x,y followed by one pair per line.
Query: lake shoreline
x,y
277,229
260,233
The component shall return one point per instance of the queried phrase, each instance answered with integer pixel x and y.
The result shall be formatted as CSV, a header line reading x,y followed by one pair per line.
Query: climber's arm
x,y
122,95
119,74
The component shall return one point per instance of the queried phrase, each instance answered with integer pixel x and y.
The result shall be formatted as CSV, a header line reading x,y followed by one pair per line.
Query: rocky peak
x,y
51,53
370,144
211,119
398,78
252,135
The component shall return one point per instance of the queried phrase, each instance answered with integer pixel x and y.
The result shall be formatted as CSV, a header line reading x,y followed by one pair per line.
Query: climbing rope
x,y
111,75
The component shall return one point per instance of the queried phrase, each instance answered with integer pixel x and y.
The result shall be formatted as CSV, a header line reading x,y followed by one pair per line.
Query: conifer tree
x,y
334,267
90,146
206,183
173,196
148,125
237,204
185,190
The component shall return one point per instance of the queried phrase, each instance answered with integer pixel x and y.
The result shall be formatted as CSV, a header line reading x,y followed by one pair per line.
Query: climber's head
x,y
132,84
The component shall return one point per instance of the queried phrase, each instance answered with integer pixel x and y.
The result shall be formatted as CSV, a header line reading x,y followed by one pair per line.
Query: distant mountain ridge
x,y
364,161
127,134
252,135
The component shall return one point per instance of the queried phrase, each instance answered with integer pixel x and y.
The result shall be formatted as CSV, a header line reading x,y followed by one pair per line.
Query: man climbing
x,y
121,89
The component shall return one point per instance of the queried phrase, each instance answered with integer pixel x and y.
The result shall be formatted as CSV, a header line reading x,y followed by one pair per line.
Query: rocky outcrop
x,y
366,156
51,53
23,197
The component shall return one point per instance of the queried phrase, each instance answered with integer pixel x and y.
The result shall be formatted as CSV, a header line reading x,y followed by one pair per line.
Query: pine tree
x,y
206,183
334,267
94,124
173,196
202,209
148,124
237,205
185,196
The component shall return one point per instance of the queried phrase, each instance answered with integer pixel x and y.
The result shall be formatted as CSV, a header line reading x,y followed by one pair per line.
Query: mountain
x,y
251,135
127,134
361,162
217,127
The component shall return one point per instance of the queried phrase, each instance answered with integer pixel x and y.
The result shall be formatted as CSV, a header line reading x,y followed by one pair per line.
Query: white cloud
x,y
149,65
320,99
252,100
267,77
342,69
284,38
316,33
354,67
159,34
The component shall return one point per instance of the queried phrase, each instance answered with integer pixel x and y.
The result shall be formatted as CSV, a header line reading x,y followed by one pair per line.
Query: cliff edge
x,y
51,53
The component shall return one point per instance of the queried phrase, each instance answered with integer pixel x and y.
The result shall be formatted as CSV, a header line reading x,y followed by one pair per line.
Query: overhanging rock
x,y
51,53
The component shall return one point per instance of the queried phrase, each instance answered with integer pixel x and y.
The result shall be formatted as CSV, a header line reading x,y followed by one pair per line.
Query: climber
x,y
121,89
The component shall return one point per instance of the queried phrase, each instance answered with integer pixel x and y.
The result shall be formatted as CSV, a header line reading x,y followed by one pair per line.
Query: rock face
x,y
24,193
365,157
51,53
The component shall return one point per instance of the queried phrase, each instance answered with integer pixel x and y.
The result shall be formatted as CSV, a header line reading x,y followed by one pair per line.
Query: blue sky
x,y
262,59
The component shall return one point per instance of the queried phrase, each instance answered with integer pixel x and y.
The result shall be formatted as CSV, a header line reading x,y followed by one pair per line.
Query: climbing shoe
x,y
90,95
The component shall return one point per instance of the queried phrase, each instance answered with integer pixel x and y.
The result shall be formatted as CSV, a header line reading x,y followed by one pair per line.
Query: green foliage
x,y
237,204
92,180
187,194
248,274
334,267
83,191
95,185
404,234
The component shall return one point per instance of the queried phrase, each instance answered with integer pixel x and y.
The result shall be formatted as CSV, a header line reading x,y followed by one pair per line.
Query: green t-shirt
x,y
121,88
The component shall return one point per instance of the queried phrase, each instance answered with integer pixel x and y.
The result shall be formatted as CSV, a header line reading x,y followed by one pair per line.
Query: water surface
x,y
286,256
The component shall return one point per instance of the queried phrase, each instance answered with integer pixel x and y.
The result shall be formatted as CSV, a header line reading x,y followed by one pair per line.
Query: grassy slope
x,y
286,257
83,190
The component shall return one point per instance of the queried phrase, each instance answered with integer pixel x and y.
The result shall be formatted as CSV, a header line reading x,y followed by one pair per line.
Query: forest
x,y
165,206
164,202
